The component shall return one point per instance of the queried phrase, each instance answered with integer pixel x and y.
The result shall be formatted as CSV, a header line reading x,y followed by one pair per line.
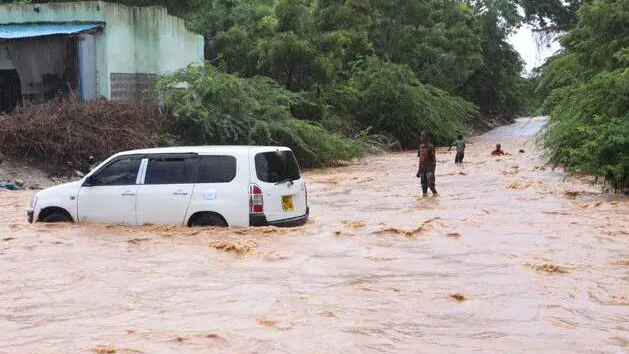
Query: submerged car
x,y
190,186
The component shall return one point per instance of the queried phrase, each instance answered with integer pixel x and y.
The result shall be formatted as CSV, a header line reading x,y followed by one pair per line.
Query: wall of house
x,y
5,60
137,44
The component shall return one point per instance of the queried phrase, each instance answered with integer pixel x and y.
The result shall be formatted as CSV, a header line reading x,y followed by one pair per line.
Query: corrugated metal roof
x,y
27,30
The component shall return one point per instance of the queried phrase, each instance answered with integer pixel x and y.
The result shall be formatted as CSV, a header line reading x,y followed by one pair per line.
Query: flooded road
x,y
510,258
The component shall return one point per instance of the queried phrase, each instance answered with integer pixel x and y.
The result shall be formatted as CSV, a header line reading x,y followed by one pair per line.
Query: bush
x,y
219,108
587,88
589,127
389,98
65,131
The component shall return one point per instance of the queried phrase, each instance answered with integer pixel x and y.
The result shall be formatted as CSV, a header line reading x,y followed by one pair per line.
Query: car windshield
x,y
277,166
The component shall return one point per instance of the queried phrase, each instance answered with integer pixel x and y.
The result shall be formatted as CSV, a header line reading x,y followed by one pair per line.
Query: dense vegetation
x,y
587,90
224,109
387,68
335,79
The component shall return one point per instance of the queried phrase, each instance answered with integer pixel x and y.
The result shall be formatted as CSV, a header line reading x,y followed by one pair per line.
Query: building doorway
x,y
10,90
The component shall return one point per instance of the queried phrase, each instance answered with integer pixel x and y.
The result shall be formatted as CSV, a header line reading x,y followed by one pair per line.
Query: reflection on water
x,y
509,258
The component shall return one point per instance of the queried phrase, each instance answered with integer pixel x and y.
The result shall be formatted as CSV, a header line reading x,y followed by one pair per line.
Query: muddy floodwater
x,y
512,257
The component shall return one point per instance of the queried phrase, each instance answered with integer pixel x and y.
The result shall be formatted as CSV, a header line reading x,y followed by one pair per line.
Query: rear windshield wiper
x,y
285,180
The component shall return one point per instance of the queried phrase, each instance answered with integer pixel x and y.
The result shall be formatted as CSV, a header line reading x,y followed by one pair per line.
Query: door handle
x,y
180,192
128,194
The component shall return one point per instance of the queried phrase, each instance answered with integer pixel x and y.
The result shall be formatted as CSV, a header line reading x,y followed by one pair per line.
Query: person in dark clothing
x,y
460,149
427,164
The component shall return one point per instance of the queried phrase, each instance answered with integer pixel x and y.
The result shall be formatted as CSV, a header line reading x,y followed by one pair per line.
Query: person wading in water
x,y
427,164
460,149
498,151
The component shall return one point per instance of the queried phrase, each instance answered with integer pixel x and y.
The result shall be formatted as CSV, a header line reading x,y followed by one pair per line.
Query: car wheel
x,y
56,217
208,220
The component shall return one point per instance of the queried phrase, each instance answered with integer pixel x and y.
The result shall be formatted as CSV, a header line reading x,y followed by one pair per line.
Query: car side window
x,y
170,170
121,172
216,169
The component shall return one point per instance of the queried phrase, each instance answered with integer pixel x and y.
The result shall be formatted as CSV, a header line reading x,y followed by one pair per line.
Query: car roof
x,y
206,149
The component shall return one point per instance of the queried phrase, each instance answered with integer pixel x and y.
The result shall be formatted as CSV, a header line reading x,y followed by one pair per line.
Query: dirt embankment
x,y
33,175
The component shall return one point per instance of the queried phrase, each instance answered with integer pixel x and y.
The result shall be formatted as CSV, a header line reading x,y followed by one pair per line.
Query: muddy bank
x,y
510,258
34,175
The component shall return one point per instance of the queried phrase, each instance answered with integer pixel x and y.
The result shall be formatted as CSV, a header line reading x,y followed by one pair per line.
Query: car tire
x,y
56,217
208,220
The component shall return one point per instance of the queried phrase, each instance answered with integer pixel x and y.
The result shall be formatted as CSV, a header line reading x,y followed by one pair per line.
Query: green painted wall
x,y
142,40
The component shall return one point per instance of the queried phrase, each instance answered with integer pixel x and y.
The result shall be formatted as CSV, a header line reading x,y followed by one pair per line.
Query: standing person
x,y
460,149
427,164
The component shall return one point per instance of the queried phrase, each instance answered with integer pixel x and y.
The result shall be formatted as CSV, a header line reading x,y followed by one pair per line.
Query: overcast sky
x,y
524,42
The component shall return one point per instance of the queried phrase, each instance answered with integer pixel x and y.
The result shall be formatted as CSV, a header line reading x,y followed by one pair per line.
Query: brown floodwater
x,y
512,257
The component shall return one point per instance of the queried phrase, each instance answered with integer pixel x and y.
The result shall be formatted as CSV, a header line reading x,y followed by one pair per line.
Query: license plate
x,y
287,203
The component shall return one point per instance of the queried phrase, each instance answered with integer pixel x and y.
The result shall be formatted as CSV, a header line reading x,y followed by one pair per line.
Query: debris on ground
x,y
546,267
138,240
104,349
237,246
589,205
623,262
570,194
458,297
265,321
407,233
518,185
12,185
354,224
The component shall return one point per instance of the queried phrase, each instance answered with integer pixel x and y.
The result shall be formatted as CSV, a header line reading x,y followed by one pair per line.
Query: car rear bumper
x,y
260,220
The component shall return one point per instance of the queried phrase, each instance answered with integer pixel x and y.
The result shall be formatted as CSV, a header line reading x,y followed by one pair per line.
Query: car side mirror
x,y
89,181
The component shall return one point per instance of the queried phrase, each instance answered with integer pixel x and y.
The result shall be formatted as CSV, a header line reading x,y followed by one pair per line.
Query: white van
x,y
192,186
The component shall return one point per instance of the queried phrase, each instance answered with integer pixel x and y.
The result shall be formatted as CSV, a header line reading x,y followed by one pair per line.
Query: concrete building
x,y
97,48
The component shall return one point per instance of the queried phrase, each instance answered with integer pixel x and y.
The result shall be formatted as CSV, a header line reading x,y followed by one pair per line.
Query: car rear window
x,y
170,170
216,169
276,166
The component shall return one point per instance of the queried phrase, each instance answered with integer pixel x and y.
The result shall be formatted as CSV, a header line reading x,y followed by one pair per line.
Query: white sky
x,y
524,42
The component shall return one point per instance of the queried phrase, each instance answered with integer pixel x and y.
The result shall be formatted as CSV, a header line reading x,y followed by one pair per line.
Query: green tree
x,y
497,86
291,60
438,39
552,16
587,85
390,99
219,108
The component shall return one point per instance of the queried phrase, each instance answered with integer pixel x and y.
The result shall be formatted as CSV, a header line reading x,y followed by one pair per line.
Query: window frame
x,y
257,172
232,157
185,156
87,182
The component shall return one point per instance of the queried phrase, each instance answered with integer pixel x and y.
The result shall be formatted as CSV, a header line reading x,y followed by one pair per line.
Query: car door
x,y
222,187
165,190
279,177
109,194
